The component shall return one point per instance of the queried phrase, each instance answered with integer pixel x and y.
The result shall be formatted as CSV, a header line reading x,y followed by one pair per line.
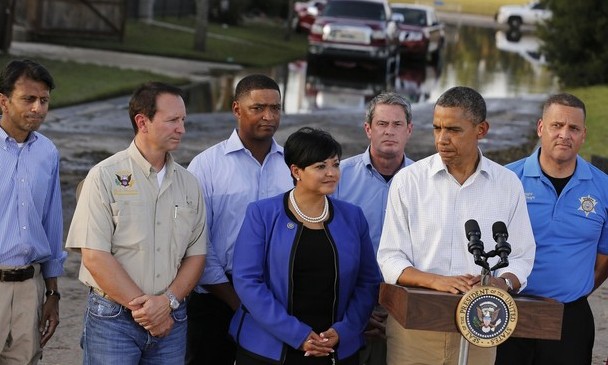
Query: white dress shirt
x,y
427,210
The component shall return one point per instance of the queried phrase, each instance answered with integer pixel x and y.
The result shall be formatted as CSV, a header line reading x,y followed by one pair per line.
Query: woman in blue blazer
x,y
304,267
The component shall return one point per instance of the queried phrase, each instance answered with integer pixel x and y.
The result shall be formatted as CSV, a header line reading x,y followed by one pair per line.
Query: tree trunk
x,y
290,15
6,24
202,22
146,10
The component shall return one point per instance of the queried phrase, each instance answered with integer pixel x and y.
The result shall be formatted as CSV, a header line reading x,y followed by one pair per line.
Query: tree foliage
x,y
576,41
272,8
228,11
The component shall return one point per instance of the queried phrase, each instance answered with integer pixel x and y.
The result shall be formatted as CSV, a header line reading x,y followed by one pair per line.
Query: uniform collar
x,y
532,167
144,165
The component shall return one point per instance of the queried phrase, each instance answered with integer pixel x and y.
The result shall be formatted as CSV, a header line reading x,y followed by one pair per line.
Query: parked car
x,y
305,13
526,45
341,91
362,30
532,13
416,81
421,35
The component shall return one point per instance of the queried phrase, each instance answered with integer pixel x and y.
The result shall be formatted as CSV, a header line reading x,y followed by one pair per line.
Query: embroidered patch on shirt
x,y
530,196
587,204
125,180
125,183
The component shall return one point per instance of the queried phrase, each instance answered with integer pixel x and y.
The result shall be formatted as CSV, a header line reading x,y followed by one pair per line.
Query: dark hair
x,y
565,99
26,68
143,100
388,98
307,146
467,99
254,82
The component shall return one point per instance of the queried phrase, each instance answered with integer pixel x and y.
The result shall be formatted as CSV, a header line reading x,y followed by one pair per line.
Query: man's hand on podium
x,y
457,284
500,282
453,284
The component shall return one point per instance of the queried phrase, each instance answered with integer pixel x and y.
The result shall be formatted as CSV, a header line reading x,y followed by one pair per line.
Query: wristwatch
x,y
509,283
173,302
52,292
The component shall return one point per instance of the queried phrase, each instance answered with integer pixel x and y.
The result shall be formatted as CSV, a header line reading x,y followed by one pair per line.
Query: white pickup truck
x,y
516,15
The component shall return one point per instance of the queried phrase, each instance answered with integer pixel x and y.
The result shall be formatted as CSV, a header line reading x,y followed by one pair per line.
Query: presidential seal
x,y
486,316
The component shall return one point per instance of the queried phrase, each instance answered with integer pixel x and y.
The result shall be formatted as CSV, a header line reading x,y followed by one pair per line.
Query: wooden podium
x,y
425,309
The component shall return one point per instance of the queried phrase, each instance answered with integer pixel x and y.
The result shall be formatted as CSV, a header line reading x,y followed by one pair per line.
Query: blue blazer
x,y
263,260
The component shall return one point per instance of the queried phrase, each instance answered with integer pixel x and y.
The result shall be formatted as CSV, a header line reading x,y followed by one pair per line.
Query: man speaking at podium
x,y
424,243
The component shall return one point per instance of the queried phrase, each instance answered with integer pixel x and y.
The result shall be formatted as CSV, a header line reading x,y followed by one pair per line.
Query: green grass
x,y
78,83
254,45
597,113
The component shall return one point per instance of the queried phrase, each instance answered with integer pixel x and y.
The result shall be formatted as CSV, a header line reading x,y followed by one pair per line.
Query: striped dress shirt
x,y
31,222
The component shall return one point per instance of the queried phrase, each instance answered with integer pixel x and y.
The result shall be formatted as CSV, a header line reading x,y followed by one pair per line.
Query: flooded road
x,y
497,62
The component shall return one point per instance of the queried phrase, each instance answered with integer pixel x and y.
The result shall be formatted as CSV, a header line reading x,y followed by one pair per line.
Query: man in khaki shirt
x,y
141,227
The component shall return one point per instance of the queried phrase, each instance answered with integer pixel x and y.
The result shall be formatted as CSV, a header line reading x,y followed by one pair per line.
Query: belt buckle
x,y
104,295
101,293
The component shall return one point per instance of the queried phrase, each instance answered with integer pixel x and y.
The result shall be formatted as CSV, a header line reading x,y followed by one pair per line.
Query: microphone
x,y
503,248
471,228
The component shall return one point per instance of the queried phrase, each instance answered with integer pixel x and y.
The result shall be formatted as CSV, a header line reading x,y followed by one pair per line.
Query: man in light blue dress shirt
x,y
31,222
246,167
365,181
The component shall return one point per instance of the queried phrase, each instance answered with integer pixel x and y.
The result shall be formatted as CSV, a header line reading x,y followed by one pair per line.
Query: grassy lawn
x,y
255,45
597,113
77,83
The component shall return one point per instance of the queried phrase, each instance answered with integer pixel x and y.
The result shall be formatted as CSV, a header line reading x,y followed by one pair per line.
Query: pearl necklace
x,y
306,218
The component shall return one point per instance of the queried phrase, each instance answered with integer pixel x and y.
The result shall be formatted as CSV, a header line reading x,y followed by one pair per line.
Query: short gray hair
x,y
388,98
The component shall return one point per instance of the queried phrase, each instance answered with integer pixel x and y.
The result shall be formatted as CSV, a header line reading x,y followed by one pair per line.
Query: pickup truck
x,y
360,30
515,15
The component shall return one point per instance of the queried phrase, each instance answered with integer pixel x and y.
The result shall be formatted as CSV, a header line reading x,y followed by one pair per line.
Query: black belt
x,y
14,275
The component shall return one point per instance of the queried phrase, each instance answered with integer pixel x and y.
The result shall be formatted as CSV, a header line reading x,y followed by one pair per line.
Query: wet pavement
x,y
85,134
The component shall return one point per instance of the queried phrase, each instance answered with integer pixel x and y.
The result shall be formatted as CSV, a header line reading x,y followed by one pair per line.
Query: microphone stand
x,y
486,273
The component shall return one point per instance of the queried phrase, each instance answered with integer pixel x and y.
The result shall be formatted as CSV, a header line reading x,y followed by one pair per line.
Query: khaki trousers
x,y
414,347
20,313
